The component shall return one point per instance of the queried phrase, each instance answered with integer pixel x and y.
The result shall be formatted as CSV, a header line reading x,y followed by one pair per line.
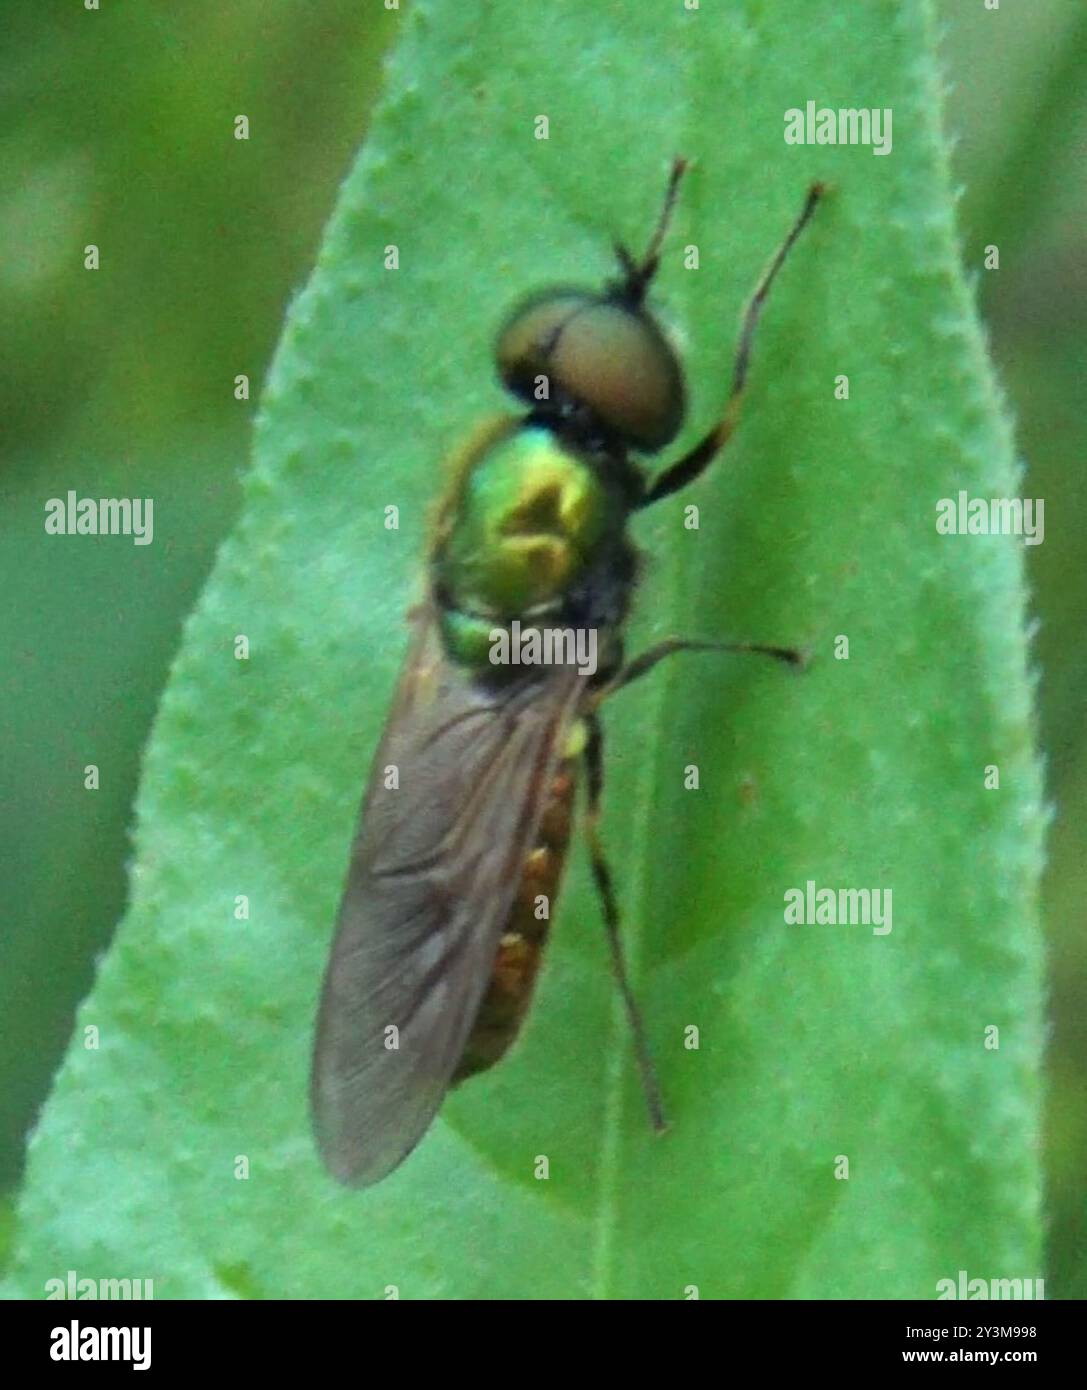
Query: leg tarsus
x,y
594,767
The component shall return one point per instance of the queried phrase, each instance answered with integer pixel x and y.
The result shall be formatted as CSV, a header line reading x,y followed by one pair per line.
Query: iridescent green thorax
x,y
530,521
530,518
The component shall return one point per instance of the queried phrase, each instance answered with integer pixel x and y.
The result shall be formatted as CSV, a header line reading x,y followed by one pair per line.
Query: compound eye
x,y
602,353
525,346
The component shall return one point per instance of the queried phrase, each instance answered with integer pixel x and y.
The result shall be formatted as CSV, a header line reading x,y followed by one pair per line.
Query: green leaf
x,y
815,1041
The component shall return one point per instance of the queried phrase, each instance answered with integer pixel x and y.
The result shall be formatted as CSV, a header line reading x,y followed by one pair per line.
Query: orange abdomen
x,y
520,949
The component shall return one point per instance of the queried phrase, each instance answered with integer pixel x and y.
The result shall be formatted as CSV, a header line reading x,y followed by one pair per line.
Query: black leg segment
x,y
686,469
594,781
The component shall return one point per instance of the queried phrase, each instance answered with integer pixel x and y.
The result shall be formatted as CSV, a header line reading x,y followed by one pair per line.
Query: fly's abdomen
x,y
520,950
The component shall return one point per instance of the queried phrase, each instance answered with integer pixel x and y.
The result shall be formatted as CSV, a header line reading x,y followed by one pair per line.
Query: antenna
x,y
638,275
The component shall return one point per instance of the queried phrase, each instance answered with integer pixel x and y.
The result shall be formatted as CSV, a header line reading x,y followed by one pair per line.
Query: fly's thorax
x,y
531,519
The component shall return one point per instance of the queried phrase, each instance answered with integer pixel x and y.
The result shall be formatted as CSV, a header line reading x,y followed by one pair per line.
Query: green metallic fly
x,y
439,936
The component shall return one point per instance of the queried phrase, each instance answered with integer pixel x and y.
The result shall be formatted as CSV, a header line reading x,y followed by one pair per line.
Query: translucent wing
x,y
434,869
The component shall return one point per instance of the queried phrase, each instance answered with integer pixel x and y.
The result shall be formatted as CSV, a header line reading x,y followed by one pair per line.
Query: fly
x,y
469,809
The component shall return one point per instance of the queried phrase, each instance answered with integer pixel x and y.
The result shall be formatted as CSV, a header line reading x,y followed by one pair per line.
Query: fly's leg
x,y
593,758
594,781
643,664
686,469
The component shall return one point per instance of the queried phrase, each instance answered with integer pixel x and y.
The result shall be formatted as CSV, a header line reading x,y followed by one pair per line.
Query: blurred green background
x,y
118,131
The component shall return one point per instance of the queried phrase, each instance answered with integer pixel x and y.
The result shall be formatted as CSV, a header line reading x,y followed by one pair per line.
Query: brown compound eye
x,y
602,352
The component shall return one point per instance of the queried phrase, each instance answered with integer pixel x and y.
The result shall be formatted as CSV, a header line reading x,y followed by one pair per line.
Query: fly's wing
x,y
434,869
